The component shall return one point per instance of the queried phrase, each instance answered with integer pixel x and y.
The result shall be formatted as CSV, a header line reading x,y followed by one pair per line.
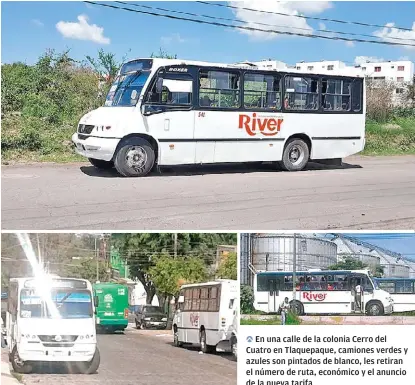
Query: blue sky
x,y
29,28
403,243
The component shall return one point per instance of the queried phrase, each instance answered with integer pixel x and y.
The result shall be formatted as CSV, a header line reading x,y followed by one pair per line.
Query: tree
x,y
379,271
410,93
348,263
106,65
228,267
247,299
168,274
86,269
163,55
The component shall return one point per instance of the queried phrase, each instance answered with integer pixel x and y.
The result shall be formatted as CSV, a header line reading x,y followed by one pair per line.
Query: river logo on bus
x,y
107,298
318,297
194,319
253,125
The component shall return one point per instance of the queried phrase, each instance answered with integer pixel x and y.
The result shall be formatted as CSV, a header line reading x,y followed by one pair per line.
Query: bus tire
x,y
176,341
18,365
297,307
135,157
101,164
204,347
296,155
374,308
92,366
234,348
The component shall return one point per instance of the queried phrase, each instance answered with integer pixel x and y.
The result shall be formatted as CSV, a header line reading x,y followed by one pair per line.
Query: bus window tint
x,y
188,299
404,286
387,286
219,89
174,92
336,94
357,87
262,91
301,93
262,283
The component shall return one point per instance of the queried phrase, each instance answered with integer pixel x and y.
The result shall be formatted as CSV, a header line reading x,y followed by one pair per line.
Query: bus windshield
x,y
126,89
69,304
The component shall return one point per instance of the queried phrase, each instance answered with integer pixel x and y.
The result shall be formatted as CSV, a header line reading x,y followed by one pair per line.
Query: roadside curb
x,y
7,377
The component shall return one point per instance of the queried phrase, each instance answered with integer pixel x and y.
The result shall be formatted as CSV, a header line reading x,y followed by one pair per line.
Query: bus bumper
x,y
389,309
93,147
38,352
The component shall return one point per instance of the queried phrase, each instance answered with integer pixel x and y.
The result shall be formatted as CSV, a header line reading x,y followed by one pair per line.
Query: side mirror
x,y
159,85
181,299
96,301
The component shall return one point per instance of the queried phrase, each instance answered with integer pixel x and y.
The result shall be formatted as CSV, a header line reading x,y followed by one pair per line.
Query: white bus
x,y
206,314
170,112
322,292
402,291
51,320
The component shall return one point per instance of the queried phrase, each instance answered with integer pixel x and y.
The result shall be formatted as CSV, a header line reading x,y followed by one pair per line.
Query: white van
x,y
205,315
51,320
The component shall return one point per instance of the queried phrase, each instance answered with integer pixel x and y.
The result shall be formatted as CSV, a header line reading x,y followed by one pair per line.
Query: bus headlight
x,y
147,319
164,319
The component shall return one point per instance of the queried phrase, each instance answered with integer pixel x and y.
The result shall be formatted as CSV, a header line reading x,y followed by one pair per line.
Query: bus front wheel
x,y
295,156
135,157
297,307
374,308
92,366
18,365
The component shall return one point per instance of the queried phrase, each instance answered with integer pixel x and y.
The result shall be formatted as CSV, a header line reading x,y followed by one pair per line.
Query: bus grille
x,y
85,128
52,338
58,345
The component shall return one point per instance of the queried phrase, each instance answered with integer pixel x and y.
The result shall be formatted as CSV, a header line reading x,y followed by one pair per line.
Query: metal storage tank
x,y
274,252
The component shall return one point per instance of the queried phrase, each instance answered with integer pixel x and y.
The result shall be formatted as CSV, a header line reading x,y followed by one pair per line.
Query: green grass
x,y
394,138
291,319
54,144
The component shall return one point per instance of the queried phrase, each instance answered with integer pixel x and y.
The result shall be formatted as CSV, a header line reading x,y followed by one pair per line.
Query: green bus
x,y
112,309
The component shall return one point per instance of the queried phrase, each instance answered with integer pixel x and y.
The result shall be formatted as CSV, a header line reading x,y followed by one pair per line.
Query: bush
x,y
292,319
247,299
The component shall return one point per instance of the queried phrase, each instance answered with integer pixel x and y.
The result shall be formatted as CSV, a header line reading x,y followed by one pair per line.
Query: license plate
x,y
58,353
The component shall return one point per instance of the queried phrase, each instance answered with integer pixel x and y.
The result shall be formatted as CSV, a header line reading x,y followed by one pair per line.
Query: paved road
x,y
136,358
366,193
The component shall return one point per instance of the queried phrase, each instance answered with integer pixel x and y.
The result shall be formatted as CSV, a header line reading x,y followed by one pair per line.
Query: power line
x,y
247,28
303,16
255,22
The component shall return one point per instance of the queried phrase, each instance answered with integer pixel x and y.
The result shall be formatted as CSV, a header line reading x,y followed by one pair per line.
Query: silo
x,y
274,252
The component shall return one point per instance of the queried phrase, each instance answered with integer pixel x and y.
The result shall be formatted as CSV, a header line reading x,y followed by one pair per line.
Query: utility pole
x,y
38,251
175,245
294,264
96,256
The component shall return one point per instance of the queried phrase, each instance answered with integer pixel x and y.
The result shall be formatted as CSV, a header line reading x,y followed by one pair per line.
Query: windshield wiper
x,y
136,74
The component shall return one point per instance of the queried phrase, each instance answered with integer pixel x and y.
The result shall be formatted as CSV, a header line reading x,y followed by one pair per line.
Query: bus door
x,y
273,296
168,116
356,290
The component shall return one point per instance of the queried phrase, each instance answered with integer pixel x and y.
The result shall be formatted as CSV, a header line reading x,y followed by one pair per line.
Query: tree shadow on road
x,y
212,169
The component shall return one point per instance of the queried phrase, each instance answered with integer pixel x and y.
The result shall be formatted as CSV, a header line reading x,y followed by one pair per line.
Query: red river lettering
x,y
266,126
314,296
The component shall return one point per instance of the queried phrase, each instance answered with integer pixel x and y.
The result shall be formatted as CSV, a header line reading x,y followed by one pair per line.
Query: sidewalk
x,y
6,377
167,333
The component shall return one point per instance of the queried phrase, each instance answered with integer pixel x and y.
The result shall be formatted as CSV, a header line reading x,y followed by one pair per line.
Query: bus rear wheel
x,y
101,164
134,158
204,347
176,341
374,309
18,365
295,156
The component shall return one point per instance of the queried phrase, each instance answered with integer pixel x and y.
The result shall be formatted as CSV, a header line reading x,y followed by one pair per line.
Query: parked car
x,y
149,316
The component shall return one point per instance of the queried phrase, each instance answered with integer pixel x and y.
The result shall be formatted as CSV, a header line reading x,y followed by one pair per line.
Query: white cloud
x,y
321,26
359,60
350,44
172,38
82,30
289,23
37,22
389,31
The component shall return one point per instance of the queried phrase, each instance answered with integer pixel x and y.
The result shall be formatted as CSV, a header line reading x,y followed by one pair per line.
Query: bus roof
x,y
215,282
160,62
313,272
